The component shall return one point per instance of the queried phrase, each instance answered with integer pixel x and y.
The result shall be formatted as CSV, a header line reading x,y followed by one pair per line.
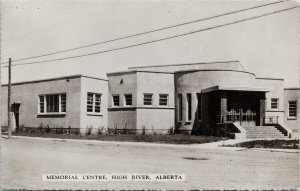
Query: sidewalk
x,y
212,145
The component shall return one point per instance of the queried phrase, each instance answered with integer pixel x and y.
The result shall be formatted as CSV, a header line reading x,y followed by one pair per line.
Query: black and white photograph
x,y
150,94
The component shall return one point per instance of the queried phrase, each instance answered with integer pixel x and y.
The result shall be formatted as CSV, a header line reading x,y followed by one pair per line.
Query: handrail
x,y
234,116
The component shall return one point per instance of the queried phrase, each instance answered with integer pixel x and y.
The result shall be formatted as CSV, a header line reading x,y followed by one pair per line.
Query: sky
x,y
268,46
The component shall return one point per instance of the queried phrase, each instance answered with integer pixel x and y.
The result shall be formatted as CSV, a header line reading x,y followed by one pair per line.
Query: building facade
x,y
72,102
292,108
183,98
141,101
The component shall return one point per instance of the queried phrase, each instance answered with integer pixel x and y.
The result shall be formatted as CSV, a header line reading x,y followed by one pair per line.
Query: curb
x,y
221,145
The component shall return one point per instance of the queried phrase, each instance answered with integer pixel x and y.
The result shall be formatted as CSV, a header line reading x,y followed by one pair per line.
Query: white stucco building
x,y
200,98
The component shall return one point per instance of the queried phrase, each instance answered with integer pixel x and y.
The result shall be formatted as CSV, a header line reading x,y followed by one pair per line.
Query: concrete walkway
x,y
212,145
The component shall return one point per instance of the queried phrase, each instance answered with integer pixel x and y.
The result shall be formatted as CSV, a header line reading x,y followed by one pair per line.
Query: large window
x,y
148,99
90,102
189,106
116,100
292,109
128,99
274,103
163,99
199,106
52,103
179,107
93,103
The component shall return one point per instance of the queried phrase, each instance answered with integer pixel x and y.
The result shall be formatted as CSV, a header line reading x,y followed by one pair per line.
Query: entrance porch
x,y
229,105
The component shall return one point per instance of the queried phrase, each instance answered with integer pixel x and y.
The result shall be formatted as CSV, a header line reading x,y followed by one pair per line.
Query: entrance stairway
x,y
257,132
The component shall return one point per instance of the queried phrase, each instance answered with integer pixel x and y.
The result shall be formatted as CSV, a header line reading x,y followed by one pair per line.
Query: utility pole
x,y
8,99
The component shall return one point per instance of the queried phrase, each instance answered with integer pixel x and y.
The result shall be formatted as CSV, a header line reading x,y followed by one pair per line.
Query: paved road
x,y
24,161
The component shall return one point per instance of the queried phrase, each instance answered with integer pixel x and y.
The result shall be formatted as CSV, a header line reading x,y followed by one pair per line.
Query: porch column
x,y
262,108
223,103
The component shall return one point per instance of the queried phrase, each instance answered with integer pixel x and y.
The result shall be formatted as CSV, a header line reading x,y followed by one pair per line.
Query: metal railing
x,y
234,116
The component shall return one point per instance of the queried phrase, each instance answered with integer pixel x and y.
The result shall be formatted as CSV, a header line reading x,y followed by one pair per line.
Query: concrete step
x,y
263,132
270,136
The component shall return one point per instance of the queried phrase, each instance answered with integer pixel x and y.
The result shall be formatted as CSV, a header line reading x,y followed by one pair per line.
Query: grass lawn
x,y
274,144
171,139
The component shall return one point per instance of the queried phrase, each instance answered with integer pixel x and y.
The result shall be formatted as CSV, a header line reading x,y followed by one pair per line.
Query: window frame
x,y
199,106
167,100
146,94
125,100
45,112
180,108
113,102
94,105
189,107
277,103
292,117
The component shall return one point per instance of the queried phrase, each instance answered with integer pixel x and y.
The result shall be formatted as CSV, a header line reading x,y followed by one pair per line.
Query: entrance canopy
x,y
235,88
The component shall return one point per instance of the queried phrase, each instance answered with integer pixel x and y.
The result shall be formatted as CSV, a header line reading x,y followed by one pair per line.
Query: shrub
x,y
77,131
47,129
143,130
102,130
40,127
171,131
89,130
22,128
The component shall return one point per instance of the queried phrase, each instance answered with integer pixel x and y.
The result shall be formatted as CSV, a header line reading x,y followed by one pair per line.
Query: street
x,y
24,161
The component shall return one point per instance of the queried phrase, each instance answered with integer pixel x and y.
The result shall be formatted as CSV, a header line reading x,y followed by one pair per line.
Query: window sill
x,y
274,110
292,118
50,115
94,114
188,123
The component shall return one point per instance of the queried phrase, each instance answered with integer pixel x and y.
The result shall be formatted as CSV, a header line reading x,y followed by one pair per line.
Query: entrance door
x,y
15,107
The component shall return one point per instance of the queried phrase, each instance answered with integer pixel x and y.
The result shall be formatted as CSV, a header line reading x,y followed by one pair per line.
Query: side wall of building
x,y
276,92
91,120
27,95
155,118
122,117
292,122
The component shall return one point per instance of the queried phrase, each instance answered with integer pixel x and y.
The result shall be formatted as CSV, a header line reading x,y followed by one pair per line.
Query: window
x,y
93,103
63,102
116,100
128,99
90,101
274,103
189,106
163,99
180,107
42,104
292,109
199,106
52,103
97,103
148,99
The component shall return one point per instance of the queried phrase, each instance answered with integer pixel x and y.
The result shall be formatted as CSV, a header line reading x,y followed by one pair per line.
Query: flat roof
x,y
159,66
292,88
235,88
53,79
136,71
217,70
270,79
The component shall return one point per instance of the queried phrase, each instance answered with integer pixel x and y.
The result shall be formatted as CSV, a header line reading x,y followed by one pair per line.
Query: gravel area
x,y
24,161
